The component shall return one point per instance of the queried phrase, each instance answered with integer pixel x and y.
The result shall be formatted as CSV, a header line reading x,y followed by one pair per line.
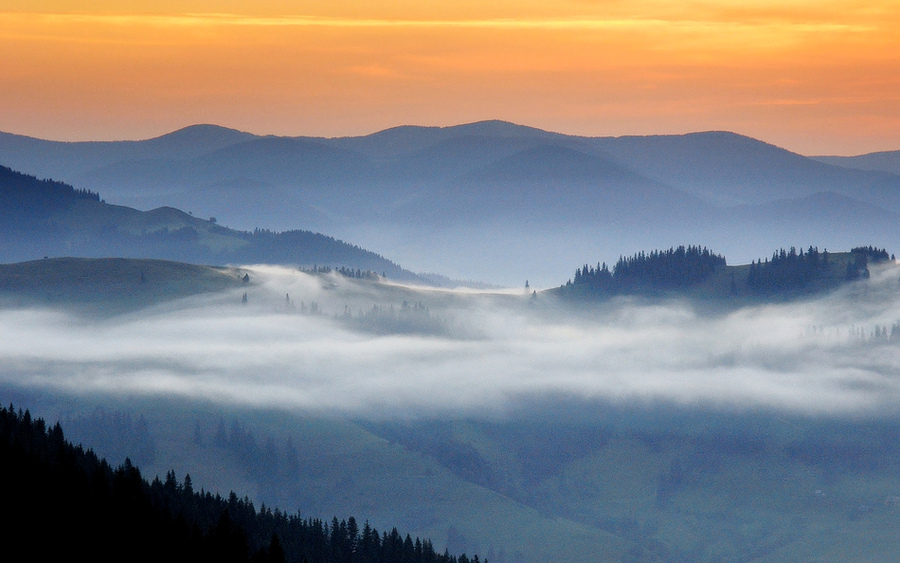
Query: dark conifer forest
x,y
66,503
793,270
697,272
25,200
787,270
660,270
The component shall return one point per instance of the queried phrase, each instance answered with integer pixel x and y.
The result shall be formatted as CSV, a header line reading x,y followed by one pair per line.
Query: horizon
x,y
814,79
410,125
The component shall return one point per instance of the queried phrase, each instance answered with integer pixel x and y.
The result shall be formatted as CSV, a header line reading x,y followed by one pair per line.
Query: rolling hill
x,y
734,169
109,285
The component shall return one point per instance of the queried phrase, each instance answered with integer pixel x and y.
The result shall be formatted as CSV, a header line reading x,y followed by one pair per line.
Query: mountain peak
x,y
497,128
203,132
486,128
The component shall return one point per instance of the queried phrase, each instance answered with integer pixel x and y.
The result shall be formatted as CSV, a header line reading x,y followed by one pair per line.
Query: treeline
x,y
357,274
791,270
858,268
25,198
65,502
265,462
190,244
409,318
682,267
660,269
788,269
876,255
879,334
30,190
307,247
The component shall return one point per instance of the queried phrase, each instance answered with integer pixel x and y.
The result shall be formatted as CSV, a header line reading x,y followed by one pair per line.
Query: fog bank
x,y
367,354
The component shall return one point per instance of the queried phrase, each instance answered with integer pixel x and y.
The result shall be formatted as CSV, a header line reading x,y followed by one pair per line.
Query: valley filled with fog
x,y
325,342
514,423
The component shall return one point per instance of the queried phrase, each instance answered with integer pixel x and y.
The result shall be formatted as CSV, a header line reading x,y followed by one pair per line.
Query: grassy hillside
x,y
109,284
693,487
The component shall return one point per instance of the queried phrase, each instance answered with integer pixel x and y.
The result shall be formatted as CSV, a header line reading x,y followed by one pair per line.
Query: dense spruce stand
x,y
659,269
65,503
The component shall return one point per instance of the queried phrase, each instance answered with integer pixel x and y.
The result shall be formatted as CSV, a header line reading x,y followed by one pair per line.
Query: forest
x,y
25,200
659,269
88,509
796,270
788,272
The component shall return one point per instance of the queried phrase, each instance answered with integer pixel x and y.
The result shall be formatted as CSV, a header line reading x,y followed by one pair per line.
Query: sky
x,y
816,77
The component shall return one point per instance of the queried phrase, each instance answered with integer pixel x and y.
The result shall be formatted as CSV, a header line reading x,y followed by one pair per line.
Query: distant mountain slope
x,y
887,161
723,167
428,196
410,139
552,185
67,160
733,169
40,218
829,220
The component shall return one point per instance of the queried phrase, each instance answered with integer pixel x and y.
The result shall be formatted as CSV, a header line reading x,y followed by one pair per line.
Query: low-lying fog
x,y
467,352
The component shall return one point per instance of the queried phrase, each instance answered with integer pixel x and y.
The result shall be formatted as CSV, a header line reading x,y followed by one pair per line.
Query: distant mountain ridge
x,y
885,161
530,201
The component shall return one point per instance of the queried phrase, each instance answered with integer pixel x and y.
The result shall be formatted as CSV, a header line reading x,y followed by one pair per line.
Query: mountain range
x,y
493,200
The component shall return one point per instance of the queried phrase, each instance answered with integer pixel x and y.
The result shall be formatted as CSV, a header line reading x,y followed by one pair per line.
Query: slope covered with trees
x,y
657,270
26,200
71,504
793,270
696,272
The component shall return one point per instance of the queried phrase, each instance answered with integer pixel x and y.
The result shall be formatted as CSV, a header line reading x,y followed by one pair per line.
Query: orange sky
x,y
816,77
